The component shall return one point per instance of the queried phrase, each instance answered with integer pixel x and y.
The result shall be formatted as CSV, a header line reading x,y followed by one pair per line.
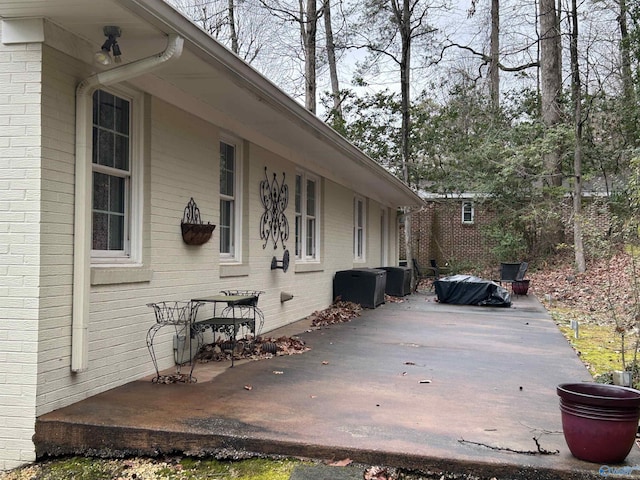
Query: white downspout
x,y
83,188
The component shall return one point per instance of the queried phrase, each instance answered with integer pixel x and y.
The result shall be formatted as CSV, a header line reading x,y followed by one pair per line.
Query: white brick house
x,y
96,167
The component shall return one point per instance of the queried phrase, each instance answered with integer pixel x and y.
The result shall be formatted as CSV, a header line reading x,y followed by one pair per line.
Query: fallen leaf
x,y
312,396
409,363
342,463
248,387
278,372
379,473
325,362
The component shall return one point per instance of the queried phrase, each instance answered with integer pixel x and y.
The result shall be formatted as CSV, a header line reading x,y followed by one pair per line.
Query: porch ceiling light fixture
x,y
103,56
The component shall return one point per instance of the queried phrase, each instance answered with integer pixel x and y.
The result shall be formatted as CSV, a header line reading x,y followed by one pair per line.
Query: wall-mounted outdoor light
x,y
103,56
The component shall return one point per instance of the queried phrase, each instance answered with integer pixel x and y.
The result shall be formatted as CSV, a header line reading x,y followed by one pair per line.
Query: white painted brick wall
x,y
37,257
20,241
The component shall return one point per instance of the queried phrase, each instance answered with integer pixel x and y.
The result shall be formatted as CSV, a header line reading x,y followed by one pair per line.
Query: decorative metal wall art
x,y
194,232
273,222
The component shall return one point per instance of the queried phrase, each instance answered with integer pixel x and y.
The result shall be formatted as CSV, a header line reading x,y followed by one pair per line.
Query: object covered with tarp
x,y
470,290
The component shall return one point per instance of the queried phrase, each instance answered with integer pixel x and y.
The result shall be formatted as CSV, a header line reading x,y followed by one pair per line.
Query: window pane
x,y
100,231
298,194
311,237
116,195
226,226
298,241
116,232
227,169
96,107
106,115
311,198
121,152
100,191
359,215
121,116
106,148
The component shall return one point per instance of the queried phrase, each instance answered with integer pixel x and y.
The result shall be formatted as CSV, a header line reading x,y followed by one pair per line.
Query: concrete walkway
x,y
416,384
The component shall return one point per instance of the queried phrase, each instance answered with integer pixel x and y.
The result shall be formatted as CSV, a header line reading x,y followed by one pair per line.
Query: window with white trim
x,y
359,228
467,212
307,227
113,235
230,204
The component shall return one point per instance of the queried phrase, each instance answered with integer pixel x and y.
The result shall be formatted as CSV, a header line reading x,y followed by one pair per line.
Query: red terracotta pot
x,y
599,422
520,287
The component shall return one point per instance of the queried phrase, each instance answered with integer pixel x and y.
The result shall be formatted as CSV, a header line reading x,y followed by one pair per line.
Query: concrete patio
x,y
417,384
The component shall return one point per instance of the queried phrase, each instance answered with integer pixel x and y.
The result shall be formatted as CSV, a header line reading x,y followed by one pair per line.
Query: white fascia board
x,y
22,30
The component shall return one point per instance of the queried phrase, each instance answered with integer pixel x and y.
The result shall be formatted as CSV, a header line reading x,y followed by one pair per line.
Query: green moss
x,y
253,469
186,468
599,346
79,468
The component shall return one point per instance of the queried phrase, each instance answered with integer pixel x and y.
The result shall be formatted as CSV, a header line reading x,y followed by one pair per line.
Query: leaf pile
x,y
339,312
608,284
222,350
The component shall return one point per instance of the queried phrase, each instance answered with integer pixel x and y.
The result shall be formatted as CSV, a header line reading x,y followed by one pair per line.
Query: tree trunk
x,y
494,70
232,28
550,91
629,98
309,29
331,57
576,95
550,85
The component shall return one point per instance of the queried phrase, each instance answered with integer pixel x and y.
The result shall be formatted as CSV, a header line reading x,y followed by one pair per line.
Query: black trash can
x,y
398,281
365,286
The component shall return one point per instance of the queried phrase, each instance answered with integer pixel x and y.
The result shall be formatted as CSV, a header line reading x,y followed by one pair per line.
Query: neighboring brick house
x,y
449,230
97,165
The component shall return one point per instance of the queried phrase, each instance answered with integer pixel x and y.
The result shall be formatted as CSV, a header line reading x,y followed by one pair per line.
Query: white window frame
x,y
302,217
131,254
359,228
468,205
235,253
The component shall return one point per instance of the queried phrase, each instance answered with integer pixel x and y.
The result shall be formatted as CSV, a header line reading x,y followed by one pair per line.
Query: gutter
x,y
83,190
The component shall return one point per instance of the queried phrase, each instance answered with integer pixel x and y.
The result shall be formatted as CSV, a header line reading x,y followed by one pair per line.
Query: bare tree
x,y
493,58
306,16
576,96
331,58
244,27
389,29
550,82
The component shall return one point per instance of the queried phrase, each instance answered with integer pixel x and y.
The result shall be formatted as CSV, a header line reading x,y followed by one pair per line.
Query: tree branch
x,y
539,451
486,59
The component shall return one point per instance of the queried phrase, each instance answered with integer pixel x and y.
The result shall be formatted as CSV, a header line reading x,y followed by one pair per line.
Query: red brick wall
x,y
438,231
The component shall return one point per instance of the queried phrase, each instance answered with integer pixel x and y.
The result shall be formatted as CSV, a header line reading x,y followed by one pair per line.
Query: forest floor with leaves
x,y
602,300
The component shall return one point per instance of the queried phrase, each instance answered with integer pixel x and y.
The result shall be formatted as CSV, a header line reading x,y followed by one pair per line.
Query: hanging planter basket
x,y
194,232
